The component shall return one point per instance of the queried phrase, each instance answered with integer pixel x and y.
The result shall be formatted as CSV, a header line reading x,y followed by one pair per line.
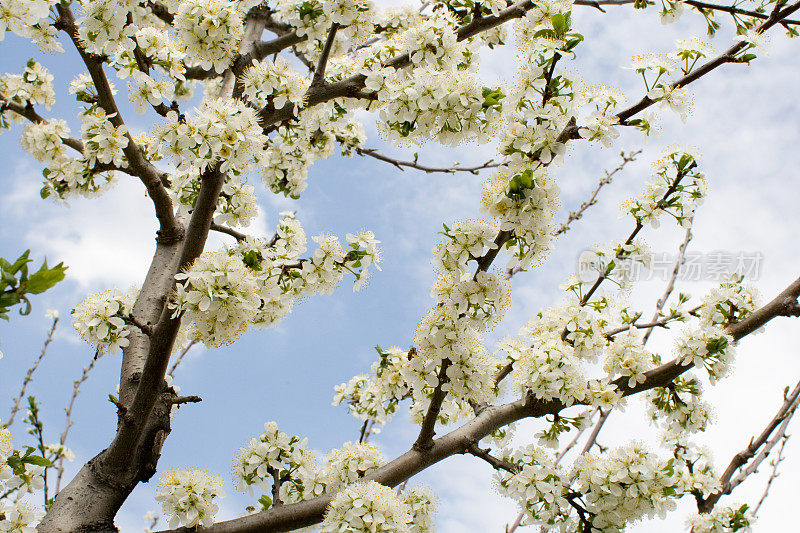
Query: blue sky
x,y
745,123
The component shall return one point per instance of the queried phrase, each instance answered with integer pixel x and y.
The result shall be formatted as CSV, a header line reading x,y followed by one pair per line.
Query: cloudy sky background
x,y
745,123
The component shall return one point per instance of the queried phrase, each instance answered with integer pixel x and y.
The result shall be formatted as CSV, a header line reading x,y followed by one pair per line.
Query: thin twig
x,y
672,188
762,445
700,5
399,163
626,158
180,357
659,323
773,475
675,270
497,463
596,431
76,386
577,215
29,373
239,236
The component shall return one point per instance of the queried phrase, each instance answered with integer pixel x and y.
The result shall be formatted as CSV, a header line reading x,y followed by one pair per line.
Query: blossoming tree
x,y
240,87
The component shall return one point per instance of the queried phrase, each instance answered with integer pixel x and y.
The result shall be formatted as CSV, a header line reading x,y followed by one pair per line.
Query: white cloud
x,y
106,241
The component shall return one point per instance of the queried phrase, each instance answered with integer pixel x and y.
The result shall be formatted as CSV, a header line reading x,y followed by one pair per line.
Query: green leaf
x,y
38,461
45,278
560,23
546,33
265,501
22,260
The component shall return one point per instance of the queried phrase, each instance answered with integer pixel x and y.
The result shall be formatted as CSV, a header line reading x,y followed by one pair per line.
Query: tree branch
x,y
424,441
29,374
170,229
319,72
180,357
62,440
773,475
726,57
371,152
727,480
577,215
672,188
673,277
308,512
30,113
700,5
664,374
592,440
230,231
497,464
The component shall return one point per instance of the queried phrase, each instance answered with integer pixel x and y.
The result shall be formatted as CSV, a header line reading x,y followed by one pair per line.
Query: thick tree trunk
x,y
91,500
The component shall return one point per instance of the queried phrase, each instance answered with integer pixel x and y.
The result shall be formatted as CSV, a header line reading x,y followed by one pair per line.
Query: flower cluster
x,y
164,52
434,43
624,485
696,469
20,472
187,496
257,281
463,242
540,487
30,19
678,188
19,517
272,455
525,203
294,147
449,341
227,131
219,294
100,318
722,519
237,204
283,466
430,103
102,29
477,302
210,31
145,91
679,408
549,370
628,358
350,463
307,17
43,140
103,142
34,86
375,396
367,506
601,123
349,12
710,348
615,262
394,20
729,303
542,101
273,82
548,359
65,177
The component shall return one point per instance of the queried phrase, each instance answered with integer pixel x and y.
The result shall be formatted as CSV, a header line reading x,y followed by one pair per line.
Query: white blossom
x,y
187,496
